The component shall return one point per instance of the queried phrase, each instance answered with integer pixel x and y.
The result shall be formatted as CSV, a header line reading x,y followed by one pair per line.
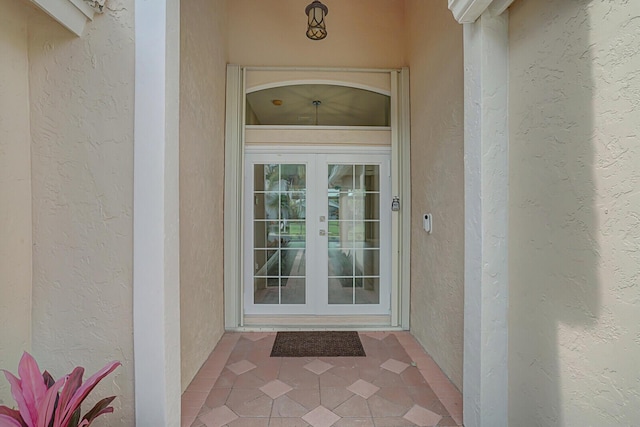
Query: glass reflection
x,y
279,233
354,234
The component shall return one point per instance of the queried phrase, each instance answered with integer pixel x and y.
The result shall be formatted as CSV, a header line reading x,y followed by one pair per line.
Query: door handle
x,y
323,232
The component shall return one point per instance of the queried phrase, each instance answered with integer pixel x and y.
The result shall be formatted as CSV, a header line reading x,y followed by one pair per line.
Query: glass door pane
x,y
354,233
279,233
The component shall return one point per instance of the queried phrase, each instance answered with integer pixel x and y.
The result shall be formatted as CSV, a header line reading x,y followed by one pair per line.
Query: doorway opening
x,y
318,155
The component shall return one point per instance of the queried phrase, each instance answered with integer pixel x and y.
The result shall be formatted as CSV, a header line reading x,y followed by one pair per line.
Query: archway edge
x,y
318,82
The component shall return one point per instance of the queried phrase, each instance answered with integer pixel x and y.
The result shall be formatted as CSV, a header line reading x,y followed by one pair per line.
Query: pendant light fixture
x,y
316,12
317,103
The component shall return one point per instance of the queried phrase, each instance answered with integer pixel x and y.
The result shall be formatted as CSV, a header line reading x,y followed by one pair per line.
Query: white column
x,y
486,215
156,277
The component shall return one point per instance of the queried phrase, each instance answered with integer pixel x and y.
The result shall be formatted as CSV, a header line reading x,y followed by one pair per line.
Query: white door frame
x,y
234,164
156,205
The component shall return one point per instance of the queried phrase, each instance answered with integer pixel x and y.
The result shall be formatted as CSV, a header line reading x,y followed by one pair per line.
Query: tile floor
x,y
396,385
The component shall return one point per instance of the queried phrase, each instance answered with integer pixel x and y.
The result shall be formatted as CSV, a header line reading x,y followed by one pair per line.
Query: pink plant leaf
x,y
85,389
16,392
7,421
33,387
48,404
70,387
4,410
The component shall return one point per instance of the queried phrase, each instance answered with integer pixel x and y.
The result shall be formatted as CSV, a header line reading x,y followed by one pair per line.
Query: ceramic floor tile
x,y
377,335
298,377
321,417
193,399
422,395
318,366
190,412
225,380
448,422
453,407
255,336
309,398
284,406
249,380
383,408
363,388
218,417
388,379
250,422
217,397
437,407
422,417
201,384
412,377
354,422
445,389
288,422
348,373
241,367
330,397
249,402
392,422
395,385
275,389
394,366
398,395
356,406
268,370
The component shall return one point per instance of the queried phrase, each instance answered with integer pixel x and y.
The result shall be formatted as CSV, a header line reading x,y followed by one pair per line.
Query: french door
x,y
317,234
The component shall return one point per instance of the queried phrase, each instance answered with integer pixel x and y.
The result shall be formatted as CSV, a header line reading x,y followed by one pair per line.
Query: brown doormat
x,y
317,344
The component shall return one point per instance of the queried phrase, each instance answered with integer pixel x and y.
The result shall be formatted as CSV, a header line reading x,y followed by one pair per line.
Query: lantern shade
x,y
316,11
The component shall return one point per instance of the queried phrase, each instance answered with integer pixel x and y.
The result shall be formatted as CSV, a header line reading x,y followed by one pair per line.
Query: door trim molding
x,y
318,149
234,173
233,201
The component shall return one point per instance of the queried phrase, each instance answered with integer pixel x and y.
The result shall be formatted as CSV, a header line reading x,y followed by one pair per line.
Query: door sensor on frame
x,y
427,222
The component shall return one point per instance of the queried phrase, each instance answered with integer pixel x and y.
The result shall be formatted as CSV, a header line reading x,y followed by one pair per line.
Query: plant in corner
x,y
44,402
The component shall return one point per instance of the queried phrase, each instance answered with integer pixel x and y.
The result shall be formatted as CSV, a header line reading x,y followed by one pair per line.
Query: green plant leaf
x,y
99,409
75,418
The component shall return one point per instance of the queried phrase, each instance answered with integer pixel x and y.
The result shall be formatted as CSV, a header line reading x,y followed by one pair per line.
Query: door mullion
x,y
319,282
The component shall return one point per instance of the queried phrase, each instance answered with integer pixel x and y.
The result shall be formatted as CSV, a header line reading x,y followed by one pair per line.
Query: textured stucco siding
x,y
81,94
202,120
574,232
361,33
437,183
15,190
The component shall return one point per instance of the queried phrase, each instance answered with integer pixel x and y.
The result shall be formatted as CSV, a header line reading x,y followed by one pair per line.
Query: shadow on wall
x,y
554,250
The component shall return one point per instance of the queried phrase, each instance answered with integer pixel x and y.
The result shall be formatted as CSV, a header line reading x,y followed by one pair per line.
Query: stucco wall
x,y
202,120
81,94
15,190
574,228
361,33
437,177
